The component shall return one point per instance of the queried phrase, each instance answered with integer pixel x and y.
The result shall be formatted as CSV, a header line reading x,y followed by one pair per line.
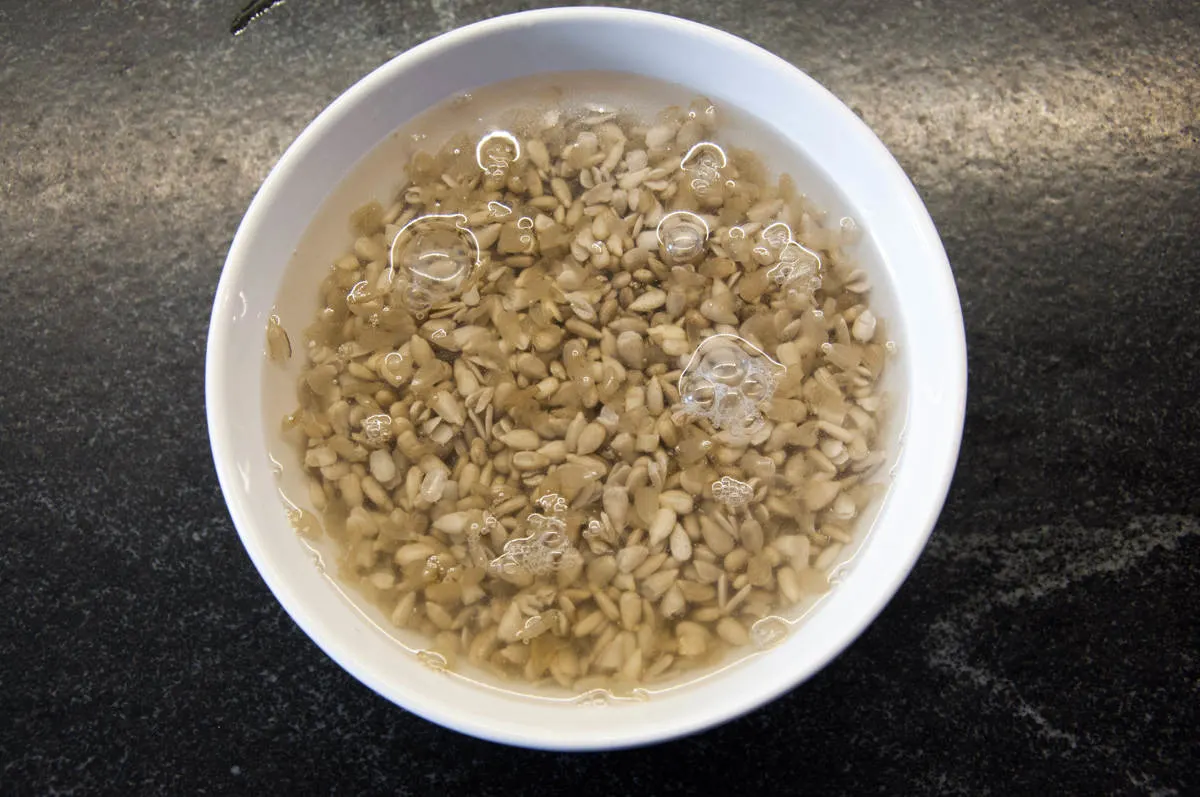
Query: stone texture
x,y
1047,641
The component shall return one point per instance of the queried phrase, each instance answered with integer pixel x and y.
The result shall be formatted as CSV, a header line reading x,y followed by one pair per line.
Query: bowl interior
x,y
378,175
297,224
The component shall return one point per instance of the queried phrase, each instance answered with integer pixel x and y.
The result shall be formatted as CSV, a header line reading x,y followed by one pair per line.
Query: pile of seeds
x,y
592,402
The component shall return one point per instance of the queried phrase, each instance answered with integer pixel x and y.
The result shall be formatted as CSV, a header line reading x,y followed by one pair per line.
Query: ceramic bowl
x,y
852,174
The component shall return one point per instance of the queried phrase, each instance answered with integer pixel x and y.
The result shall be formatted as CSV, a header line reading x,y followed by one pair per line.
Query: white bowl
x,y
902,251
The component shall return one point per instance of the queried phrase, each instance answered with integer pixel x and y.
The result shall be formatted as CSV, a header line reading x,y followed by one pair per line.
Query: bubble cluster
x,y
432,259
793,265
544,549
769,632
681,236
434,569
478,552
377,429
553,503
731,492
776,235
704,163
796,265
496,151
728,380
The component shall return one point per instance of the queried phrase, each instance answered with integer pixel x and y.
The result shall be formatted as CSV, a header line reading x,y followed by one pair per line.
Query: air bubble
x,y
682,235
360,293
545,548
728,380
796,266
595,697
432,259
480,554
525,224
496,151
434,570
475,530
305,524
776,235
395,367
850,230
432,660
731,492
704,163
606,697
702,155
769,632
553,503
498,210
792,265
377,429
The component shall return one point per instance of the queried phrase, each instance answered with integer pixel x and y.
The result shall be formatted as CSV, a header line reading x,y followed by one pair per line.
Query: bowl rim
x,y
218,405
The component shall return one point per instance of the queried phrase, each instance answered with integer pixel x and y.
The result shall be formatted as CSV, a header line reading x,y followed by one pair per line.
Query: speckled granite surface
x,y
1047,642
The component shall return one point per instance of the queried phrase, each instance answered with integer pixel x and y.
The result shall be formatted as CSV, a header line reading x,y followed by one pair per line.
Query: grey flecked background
x,y
1048,640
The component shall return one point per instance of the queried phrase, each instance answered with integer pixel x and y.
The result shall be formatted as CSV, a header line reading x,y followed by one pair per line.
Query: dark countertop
x,y
1046,643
